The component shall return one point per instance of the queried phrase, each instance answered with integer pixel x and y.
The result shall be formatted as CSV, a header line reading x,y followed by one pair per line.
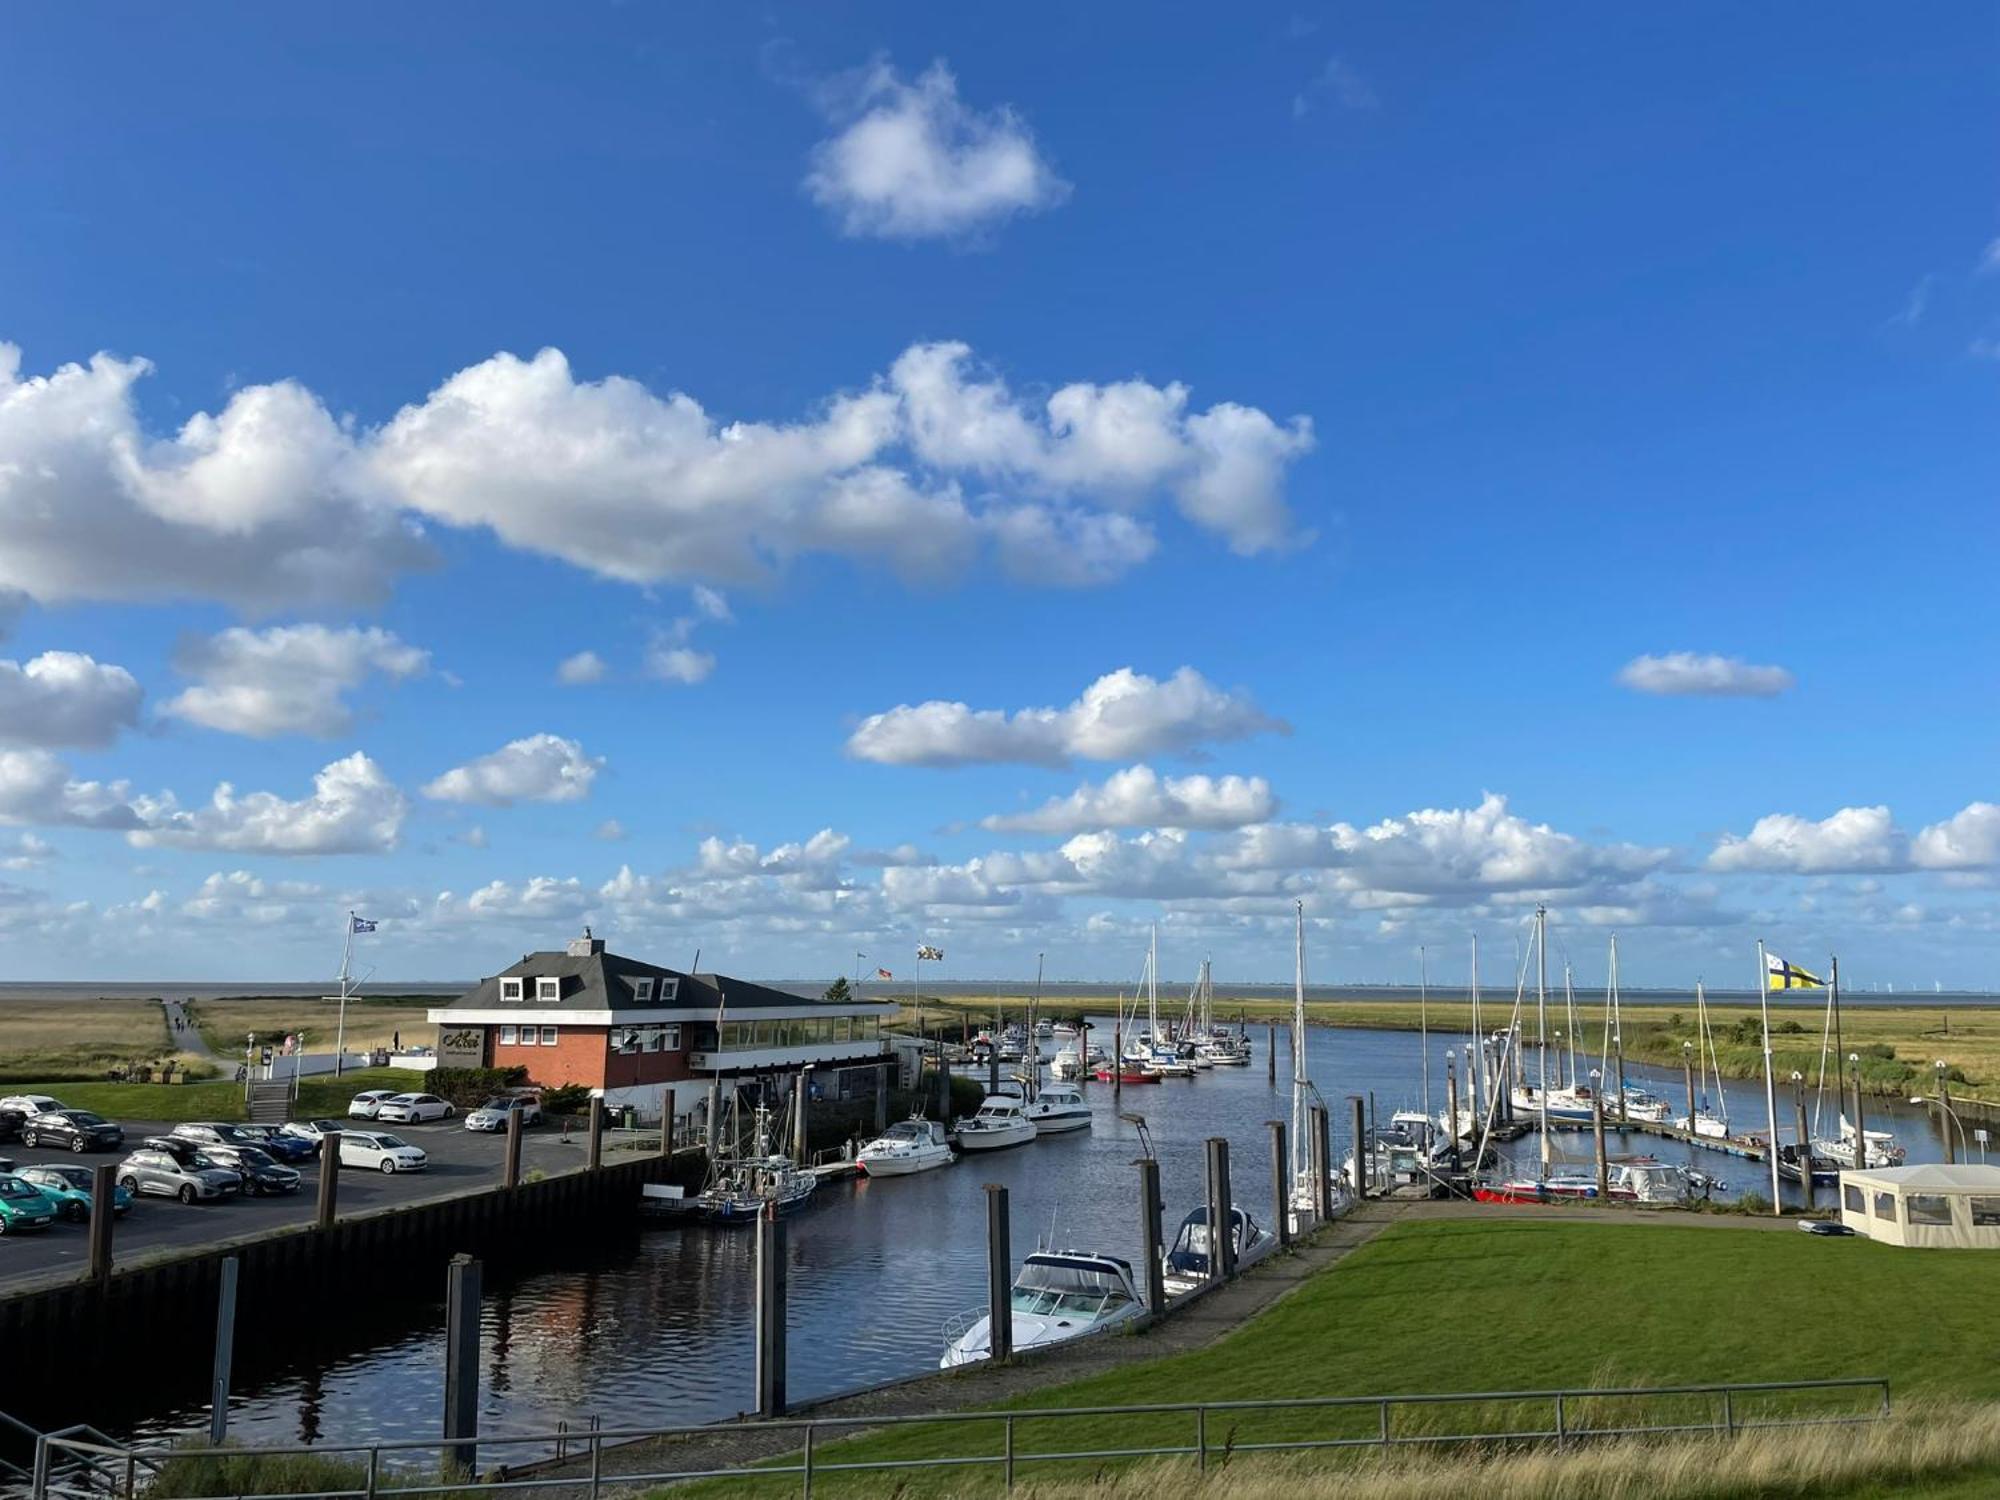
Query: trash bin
x,y
630,1117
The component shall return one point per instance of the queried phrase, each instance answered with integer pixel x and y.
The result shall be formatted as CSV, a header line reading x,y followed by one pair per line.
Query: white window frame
x,y
548,1036
642,989
548,987
511,989
510,1036
670,1037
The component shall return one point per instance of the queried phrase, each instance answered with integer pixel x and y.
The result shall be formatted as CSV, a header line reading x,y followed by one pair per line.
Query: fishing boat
x,y
912,1145
1057,1108
1185,1264
1058,1295
1002,1121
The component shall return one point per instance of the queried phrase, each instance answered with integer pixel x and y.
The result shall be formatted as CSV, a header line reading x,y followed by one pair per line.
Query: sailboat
x,y
1161,1058
1713,1123
1305,1205
1130,1068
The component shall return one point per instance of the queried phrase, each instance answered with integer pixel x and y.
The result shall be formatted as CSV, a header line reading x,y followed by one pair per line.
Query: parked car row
x,y
41,1120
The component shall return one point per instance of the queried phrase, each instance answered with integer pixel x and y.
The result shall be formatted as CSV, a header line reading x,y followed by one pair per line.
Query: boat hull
x,y
996,1140
1061,1124
903,1165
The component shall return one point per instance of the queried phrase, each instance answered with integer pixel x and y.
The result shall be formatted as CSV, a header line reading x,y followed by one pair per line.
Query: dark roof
x,y
603,981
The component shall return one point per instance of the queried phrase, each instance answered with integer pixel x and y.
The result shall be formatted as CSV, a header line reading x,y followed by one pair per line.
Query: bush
x,y
470,1087
570,1099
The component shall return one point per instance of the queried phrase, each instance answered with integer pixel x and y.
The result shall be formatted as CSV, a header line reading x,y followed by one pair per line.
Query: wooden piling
x,y
1799,1132
667,1122
511,1171
225,1350
103,1200
1597,1131
1221,1243
770,1316
594,1145
461,1364
1860,1123
1149,1235
1360,1148
1451,1114
999,1275
1271,1053
329,1180
1281,1197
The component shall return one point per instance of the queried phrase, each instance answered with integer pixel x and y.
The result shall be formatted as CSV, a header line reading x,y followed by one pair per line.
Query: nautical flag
x,y
884,974
1780,975
934,955
362,924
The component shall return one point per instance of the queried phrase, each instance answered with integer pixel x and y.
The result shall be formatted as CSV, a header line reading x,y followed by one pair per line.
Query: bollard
x,y
225,1351
1271,1053
103,1194
1281,1197
667,1122
799,1117
1360,1172
1451,1115
1799,1128
511,1172
770,1326
1597,1130
1221,1236
881,1099
461,1364
1860,1124
329,1179
595,1145
999,1275
1149,1235
1322,1149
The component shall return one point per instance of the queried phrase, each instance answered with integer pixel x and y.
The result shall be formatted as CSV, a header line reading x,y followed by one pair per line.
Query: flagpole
x,y
1770,1077
1542,1031
340,1027
1424,1022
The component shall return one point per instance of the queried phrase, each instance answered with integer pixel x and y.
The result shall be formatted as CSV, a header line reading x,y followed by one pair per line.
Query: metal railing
x,y
78,1463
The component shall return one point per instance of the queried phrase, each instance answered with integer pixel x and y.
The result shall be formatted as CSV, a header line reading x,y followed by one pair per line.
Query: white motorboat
x,y
1058,1107
912,1145
1185,1264
1646,1180
1882,1148
1639,1105
1058,1295
1002,1121
1067,1064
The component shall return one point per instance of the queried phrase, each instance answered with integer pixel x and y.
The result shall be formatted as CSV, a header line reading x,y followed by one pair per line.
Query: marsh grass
x,y
60,1040
372,1021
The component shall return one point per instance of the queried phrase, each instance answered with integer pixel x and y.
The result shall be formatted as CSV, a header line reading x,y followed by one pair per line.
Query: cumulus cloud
x,y
1862,840
1690,674
584,667
1139,797
36,788
25,852
1339,81
914,161
353,809
1122,714
64,698
540,768
285,680
610,830
1968,840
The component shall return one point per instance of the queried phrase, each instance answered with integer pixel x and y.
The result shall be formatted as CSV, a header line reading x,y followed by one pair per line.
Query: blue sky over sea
x,y
801,481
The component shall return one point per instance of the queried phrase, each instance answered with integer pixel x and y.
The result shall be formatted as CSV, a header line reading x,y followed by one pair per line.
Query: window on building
x,y
548,989
670,1039
1985,1212
1857,1201
510,989
508,1034
624,1039
1885,1206
548,1036
642,989
1928,1208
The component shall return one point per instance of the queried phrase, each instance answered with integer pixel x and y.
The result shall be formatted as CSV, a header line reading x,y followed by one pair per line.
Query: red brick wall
x,y
582,1054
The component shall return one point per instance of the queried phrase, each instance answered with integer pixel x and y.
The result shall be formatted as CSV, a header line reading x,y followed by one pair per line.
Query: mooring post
x,y
1799,1130
595,1157
770,1313
461,1364
713,1124
666,1122
329,1179
1118,1063
103,1194
511,1172
1322,1150
225,1348
1271,1053
993,1067
1687,1073
1945,1121
882,1098
1451,1114
943,1083
1149,1235
1597,1132
1221,1242
1618,1047
999,1275
799,1092
1360,1173
1281,1198
1860,1121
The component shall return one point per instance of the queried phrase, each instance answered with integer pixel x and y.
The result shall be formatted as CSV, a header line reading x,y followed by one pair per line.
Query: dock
x,y
1746,1147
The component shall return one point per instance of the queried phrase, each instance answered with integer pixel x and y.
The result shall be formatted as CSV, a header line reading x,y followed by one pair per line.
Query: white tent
x,y
1933,1206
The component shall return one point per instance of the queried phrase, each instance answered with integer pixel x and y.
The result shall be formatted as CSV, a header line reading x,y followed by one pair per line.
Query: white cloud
x,y
63,698
1863,840
610,830
25,852
540,768
1059,547
285,680
1684,673
1339,81
353,809
584,667
915,162
1969,839
1122,714
1138,797
36,788
670,656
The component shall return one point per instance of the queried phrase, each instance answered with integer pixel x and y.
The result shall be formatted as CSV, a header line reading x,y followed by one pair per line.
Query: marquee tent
x,y
1934,1206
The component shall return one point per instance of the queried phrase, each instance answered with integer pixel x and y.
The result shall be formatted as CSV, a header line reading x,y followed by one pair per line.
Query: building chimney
x,y
585,946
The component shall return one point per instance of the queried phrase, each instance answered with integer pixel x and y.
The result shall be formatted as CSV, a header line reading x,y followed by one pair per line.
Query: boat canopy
x,y
1085,1275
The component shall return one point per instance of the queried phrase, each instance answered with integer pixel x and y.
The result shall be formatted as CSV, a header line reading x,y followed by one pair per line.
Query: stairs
x,y
270,1103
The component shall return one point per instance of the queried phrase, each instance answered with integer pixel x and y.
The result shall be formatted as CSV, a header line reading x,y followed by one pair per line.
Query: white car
x,y
32,1104
492,1115
314,1131
412,1109
385,1153
363,1106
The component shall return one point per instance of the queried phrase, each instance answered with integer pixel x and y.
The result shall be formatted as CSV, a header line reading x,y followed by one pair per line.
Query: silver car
x,y
188,1176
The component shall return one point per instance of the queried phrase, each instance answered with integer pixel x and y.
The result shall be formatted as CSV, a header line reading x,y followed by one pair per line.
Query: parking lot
x,y
460,1160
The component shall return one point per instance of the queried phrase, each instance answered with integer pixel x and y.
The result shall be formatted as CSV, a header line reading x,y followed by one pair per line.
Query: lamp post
x,y
1597,1130
1950,1117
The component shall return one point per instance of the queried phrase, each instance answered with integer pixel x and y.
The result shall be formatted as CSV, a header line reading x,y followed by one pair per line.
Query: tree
x,y
840,992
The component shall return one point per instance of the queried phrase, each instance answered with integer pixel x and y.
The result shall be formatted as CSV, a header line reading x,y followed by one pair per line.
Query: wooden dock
x,y
1746,1147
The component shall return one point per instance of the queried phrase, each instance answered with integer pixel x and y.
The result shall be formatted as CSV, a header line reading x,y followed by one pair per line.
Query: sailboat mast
x,y
1569,1020
1770,1079
1424,1022
1478,1035
1153,989
1542,1028
1299,1043
1034,1037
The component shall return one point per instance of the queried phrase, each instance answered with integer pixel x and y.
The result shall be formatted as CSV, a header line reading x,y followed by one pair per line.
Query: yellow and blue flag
x,y
1780,975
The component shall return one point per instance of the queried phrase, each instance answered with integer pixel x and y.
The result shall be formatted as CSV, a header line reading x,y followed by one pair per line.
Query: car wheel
x,y
449,1111
186,1195
77,1145
130,1184
28,1139
76,1213
3,1223
388,1166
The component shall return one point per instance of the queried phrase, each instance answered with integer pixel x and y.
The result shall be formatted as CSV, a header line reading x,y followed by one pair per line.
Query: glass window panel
x,y
1928,1208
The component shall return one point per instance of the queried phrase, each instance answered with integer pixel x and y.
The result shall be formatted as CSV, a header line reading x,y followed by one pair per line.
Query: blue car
x,y
287,1148
69,1188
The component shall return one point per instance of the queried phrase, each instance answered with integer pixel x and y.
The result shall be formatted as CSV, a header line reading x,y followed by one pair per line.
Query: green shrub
x,y
569,1099
470,1087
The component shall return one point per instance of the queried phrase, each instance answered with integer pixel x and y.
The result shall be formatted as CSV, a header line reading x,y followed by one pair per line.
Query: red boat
x,y
1125,1075
1555,1190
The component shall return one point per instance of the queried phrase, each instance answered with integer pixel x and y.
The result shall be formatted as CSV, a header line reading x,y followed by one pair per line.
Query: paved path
x,y
181,1028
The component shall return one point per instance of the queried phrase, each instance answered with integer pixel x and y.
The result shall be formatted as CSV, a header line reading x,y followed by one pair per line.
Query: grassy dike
x,y
1898,1044
1502,1303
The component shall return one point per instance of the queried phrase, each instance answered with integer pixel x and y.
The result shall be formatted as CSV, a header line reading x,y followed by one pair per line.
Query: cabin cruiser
x,y
1058,1295
912,1145
1002,1121
1067,1064
1185,1265
1058,1107
1392,1158
1645,1179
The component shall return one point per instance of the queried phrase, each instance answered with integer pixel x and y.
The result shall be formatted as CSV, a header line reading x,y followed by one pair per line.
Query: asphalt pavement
x,y
461,1160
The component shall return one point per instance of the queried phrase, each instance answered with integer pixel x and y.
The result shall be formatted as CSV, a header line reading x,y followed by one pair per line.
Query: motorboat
x,y
912,1145
1882,1148
1058,1295
1126,1073
1392,1158
1058,1107
1566,1107
1002,1121
1559,1188
1186,1265
1646,1179
1067,1064
1825,1170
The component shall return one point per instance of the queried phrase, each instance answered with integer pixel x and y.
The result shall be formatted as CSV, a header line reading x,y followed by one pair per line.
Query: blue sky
x,y
1478,456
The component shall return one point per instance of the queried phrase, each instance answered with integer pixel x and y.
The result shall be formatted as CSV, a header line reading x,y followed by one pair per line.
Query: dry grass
x,y
371,1021
55,1040
1904,1455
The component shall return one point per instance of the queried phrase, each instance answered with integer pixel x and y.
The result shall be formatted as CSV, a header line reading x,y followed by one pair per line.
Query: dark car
x,y
287,1148
78,1129
10,1124
261,1172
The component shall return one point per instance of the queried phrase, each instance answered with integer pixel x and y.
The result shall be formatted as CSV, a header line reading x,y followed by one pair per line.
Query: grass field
x,y
1505,1304
44,1039
372,1021
219,1100
1898,1045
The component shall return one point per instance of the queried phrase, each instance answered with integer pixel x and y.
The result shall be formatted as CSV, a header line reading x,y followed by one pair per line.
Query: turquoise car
x,y
69,1188
23,1206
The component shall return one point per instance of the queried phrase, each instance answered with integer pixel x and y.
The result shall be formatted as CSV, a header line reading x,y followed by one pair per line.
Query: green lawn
x,y
1508,1304
214,1101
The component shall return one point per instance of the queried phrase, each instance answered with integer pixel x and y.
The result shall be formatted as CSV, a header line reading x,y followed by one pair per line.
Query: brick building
x,y
629,1030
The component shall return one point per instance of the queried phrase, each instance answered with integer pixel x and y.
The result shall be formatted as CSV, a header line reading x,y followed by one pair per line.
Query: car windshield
x,y
403,1099
203,1159
85,1117
253,1156
393,1142
73,1177
497,1104
18,1188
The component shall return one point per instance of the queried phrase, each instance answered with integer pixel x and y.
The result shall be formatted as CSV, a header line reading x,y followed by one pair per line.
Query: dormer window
x,y
549,990
642,990
510,989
